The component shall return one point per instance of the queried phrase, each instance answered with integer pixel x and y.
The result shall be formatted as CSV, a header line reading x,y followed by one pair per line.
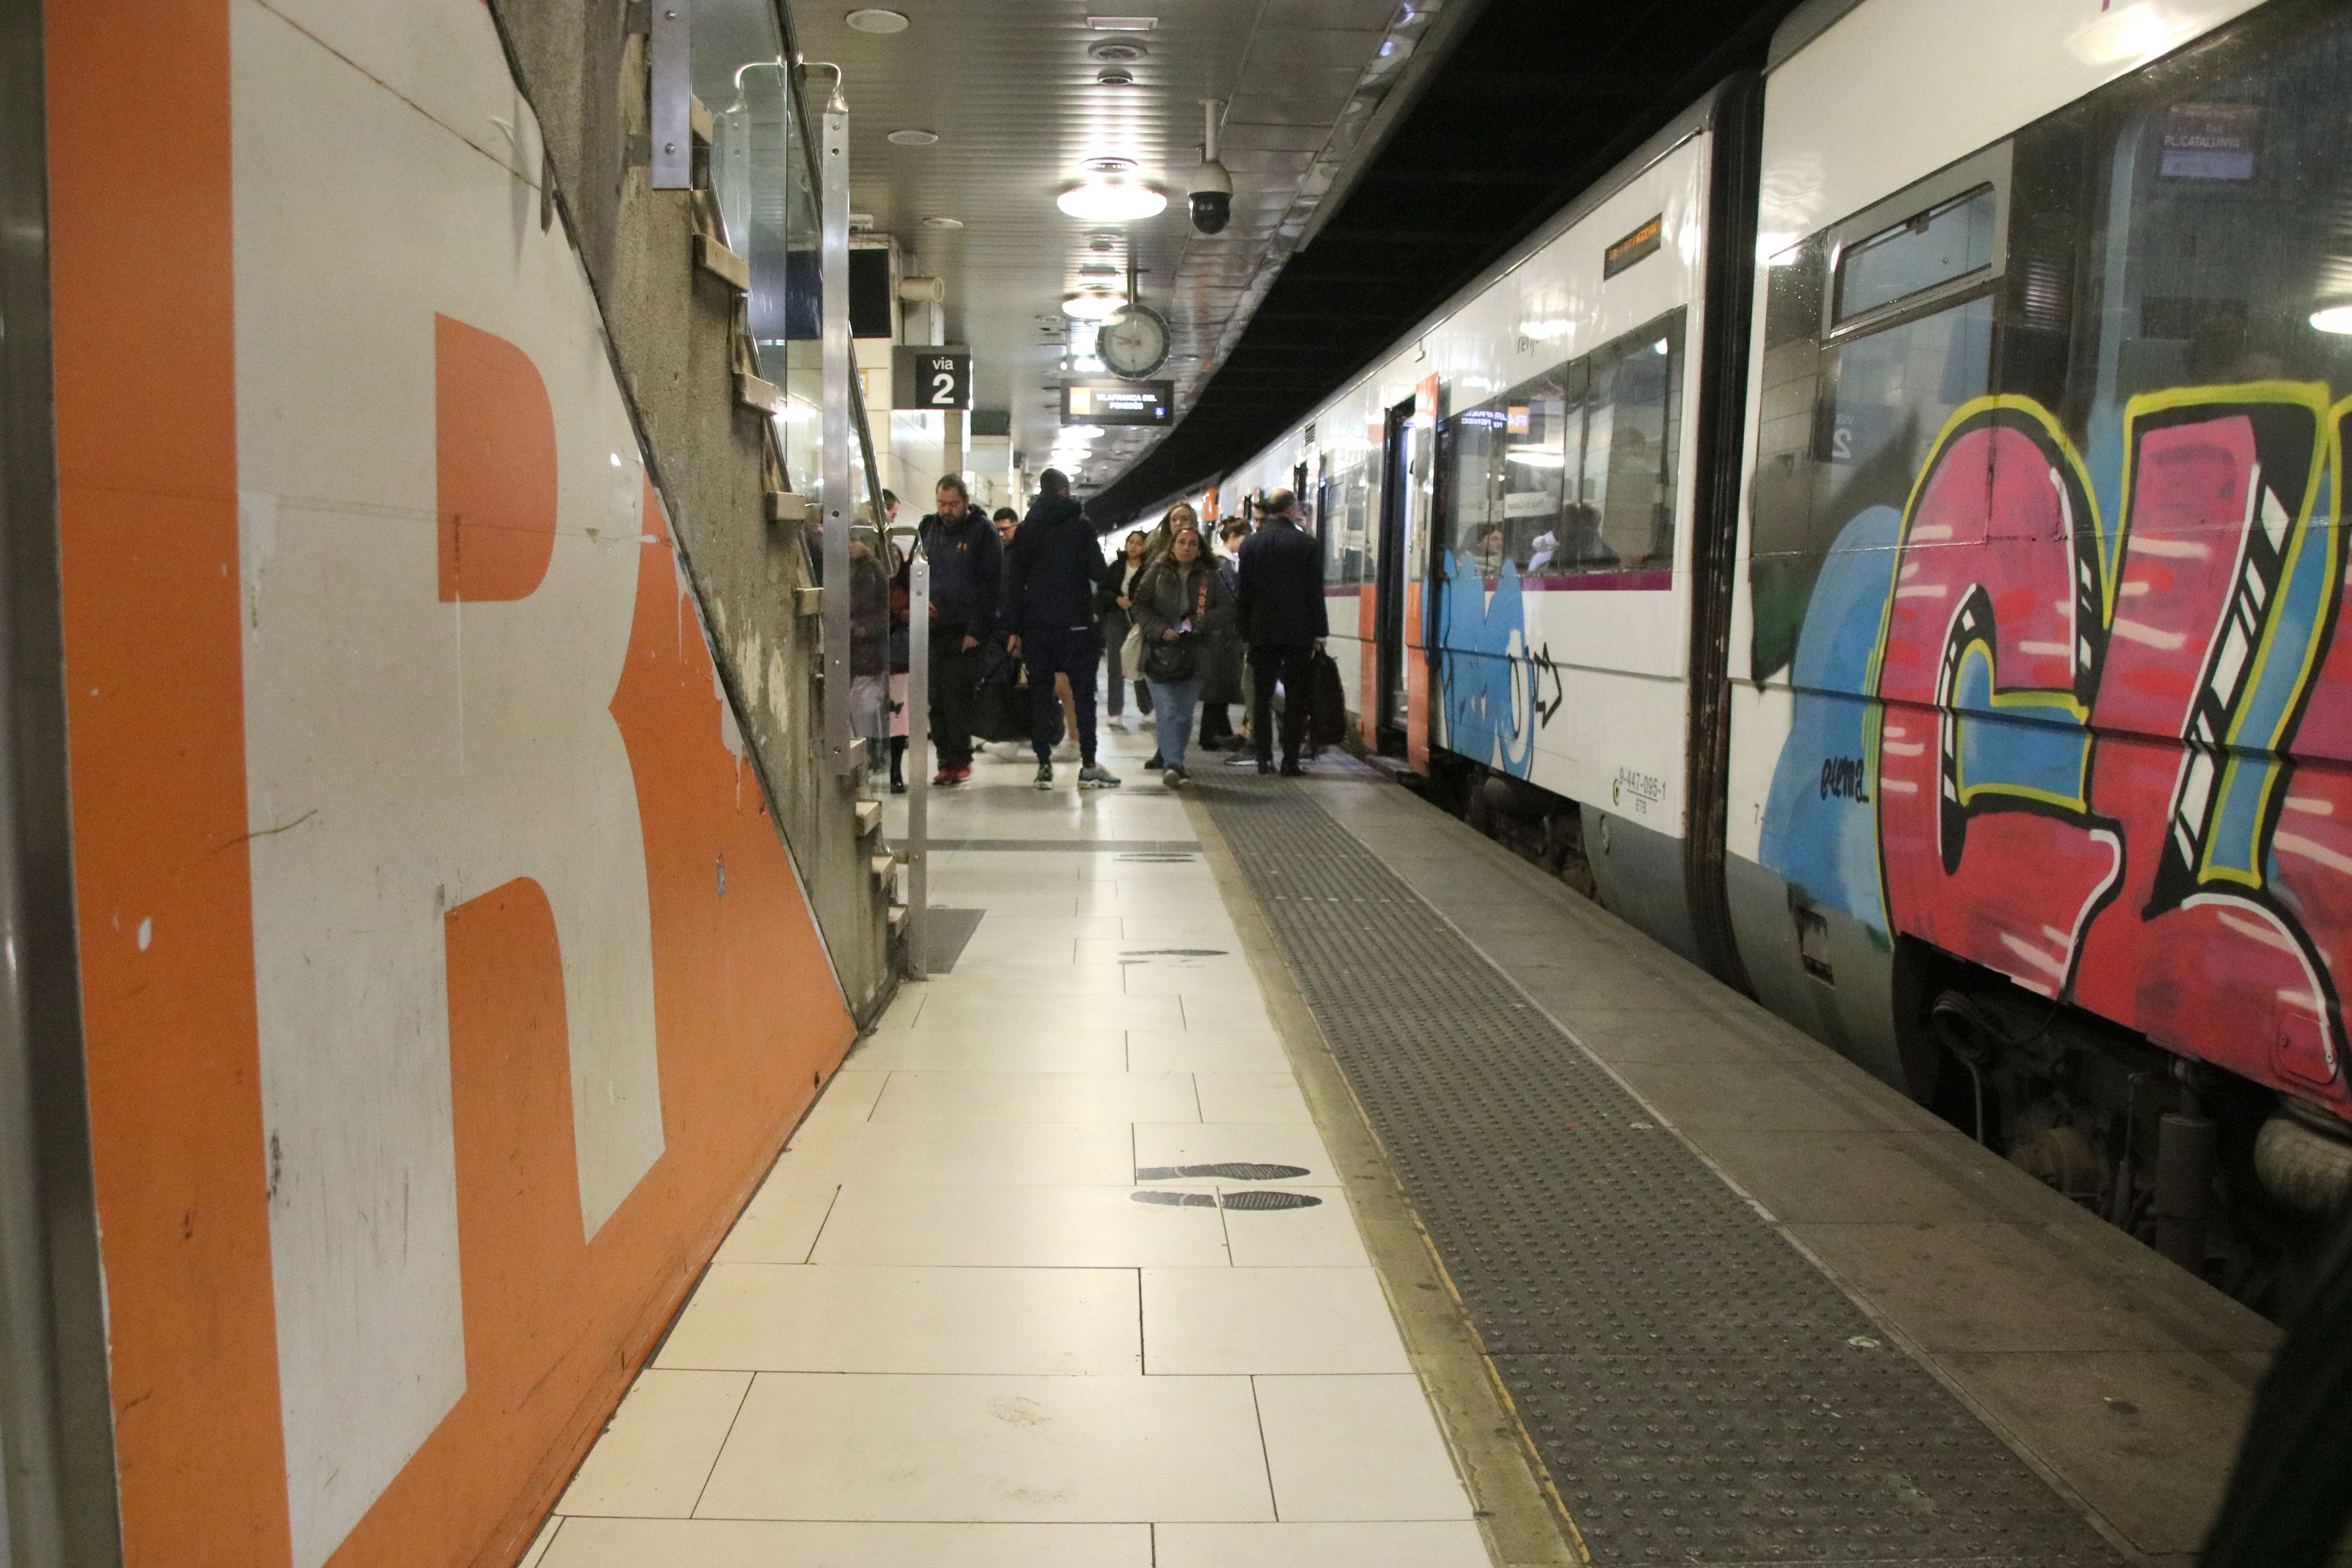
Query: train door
x,y
1389,580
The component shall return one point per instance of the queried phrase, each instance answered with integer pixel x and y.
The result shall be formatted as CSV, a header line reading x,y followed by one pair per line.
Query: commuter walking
x,y
1280,609
1180,609
967,580
1049,592
1114,604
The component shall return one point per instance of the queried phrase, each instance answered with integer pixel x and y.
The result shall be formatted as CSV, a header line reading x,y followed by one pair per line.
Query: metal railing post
x,y
840,387
919,766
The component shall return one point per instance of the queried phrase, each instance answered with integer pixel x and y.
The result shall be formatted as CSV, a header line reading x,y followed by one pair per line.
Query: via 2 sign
x,y
936,378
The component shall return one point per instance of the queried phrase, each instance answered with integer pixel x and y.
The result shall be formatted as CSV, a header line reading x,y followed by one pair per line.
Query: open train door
x,y
1389,580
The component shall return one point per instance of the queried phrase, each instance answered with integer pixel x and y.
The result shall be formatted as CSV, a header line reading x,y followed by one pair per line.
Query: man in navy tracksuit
x,y
967,566
1280,611
1050,577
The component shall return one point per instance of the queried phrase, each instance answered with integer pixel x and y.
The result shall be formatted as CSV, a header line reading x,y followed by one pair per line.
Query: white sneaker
x,y
1006,751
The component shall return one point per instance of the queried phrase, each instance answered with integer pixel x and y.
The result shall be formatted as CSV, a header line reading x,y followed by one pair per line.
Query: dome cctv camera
x,y
1211,187
1212,192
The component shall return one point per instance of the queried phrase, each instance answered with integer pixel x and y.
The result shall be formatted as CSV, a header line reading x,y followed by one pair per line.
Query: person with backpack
x,y
967,580
1180,607
1280,608
1050,581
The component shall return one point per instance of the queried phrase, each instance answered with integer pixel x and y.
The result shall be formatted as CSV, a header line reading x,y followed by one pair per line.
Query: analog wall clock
x,y
1133,343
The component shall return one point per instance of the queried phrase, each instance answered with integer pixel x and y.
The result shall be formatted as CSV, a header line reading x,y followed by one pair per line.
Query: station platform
x,y
1286,1176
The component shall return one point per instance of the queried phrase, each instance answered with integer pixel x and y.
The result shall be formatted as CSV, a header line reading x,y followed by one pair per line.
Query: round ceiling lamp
x,y
1093,306
1113,200
912,138
873,19
943,222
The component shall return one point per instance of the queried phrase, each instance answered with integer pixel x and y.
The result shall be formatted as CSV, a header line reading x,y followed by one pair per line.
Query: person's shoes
x,y
1068,751
1172,777
944,777
1115,721
1265,766
1155,764
1006,751
897,786
1243,761
1095,777
1293,771
962,772
1045,775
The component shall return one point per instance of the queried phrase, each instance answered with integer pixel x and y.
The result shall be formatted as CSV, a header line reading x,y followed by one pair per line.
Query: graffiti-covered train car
x,y
1886,542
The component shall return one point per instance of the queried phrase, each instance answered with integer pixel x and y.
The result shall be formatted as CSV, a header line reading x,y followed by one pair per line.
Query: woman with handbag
x,y
1180,607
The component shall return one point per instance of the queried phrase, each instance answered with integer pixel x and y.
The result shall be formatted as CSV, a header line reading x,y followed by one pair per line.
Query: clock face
x,y
1134,342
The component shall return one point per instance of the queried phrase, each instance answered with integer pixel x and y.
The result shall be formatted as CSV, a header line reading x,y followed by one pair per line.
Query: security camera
x,y
1212,197
1212,187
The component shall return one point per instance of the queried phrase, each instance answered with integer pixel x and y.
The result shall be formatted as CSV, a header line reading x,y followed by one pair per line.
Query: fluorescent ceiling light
x,y
1112,201
1093,307
912,138
873,19
2134,36
2334,319
1119,24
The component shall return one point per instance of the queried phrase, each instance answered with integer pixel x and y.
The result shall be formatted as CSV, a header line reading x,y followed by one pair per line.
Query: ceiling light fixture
x,y
873,19
1113,24
1115,75
1116,199
1118,51
1092,306
912,138
943,222
2334,319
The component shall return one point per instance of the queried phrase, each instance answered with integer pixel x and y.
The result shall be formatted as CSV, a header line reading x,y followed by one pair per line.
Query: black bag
x,y
1327,701
1000,707
1172,662
1178,661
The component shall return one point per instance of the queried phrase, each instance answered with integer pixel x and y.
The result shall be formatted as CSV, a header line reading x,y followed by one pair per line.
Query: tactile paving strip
x,y
1699,1391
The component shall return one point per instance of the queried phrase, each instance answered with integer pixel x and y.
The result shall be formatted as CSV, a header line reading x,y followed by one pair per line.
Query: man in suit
x,y
1280,613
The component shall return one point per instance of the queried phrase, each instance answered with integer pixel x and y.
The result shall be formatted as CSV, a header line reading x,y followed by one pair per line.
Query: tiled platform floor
x,y
947,1333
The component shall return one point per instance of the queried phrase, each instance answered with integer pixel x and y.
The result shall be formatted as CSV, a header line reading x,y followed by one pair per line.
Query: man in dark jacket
x,y
967,580
1050,578
1280,611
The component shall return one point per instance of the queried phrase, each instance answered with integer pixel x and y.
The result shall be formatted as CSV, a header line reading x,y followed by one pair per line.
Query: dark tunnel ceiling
x,y
1539,99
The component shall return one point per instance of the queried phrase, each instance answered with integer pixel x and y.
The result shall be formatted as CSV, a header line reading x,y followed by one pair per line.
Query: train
x,y
1884,542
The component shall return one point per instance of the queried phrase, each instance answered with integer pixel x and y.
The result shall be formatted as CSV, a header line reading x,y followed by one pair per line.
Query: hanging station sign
x,y
934,378
1103,400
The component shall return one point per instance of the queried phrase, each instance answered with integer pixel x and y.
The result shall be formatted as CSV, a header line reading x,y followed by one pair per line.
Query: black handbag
x,y
1173,663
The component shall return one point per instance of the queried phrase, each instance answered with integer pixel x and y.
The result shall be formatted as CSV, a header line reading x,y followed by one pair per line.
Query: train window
x,y
2226,255
1572,473
1945,243
1345,517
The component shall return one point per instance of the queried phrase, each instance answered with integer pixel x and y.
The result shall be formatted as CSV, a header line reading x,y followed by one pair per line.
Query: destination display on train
x,y
1104,400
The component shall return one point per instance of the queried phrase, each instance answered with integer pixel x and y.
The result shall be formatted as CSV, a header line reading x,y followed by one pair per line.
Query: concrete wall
x,y
671,329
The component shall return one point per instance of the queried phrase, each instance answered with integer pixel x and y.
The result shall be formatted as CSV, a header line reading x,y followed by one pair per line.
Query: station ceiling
x,y
997,106
1531,103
